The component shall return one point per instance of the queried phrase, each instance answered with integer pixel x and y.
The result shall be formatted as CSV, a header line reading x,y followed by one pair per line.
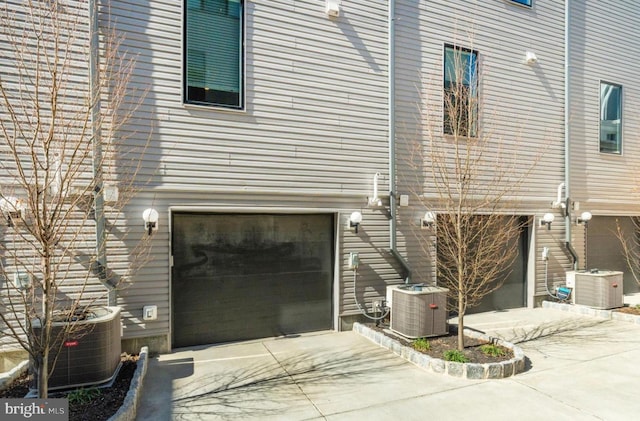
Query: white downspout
x,y
94,92
567,132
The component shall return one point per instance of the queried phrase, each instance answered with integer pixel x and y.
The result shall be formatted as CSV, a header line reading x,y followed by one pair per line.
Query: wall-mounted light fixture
x,y
428,220
12,208
150,217
584,218
530,58
354,220
547,219
332,8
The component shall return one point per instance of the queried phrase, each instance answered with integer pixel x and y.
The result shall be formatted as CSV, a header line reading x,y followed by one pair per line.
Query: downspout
x,y
567,133
100,266
392,144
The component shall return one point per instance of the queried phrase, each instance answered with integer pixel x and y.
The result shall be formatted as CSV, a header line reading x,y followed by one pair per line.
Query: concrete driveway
x,y
581,368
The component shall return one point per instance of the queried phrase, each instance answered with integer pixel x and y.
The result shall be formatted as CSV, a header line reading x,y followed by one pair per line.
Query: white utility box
x,y
418,311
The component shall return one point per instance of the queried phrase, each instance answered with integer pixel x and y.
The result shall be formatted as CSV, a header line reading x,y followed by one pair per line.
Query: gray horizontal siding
x,y
521,106
603,37
316,99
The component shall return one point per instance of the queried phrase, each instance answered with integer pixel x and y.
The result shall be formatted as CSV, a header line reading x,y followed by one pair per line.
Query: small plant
x,y
83,396
455,356
421,344
492,350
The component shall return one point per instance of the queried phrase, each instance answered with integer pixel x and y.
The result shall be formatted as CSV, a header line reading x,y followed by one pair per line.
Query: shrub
x,y
421,344
455,356
493,350
83,396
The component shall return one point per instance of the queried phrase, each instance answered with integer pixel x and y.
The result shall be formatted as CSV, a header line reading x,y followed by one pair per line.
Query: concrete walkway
x,y
581,368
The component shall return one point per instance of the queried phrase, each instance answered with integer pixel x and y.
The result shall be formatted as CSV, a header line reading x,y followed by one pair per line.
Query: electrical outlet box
x,y
149,312
354,260
21,280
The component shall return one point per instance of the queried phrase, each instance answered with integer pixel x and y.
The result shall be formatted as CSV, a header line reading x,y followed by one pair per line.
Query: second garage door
x,y
246,276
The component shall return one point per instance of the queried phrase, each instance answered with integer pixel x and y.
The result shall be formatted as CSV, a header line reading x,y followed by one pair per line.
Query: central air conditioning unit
x,y
90,354
418,311
601,289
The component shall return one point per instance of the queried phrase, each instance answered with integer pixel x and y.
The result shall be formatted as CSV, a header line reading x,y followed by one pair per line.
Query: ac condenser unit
x,y
418,311
599,289
91,354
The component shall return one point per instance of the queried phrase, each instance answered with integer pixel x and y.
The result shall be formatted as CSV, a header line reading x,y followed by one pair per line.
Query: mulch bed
x,y
101,407
628,310
440,344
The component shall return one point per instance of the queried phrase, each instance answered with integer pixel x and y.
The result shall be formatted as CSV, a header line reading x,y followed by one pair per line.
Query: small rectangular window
x,y
213,49
460,91
523,2
610,118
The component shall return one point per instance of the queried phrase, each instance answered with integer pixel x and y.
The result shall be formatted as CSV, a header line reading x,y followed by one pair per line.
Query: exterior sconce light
x,y
354,220
12,208
547,219
150,217
530,58
332,8
584,218
428,220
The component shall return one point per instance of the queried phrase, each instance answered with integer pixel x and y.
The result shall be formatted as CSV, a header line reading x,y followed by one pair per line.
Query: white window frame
x,y
618,150
243,66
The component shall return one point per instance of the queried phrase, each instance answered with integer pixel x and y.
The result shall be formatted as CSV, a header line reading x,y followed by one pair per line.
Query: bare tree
x,y
62,108
630,241
460,171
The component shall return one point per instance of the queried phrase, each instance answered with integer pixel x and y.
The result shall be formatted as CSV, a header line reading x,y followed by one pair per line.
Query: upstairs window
x,y
523,2
213,53
610,118
460,91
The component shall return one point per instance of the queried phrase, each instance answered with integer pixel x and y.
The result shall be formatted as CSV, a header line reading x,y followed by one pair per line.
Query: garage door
x,y
512,294
246,276
604,249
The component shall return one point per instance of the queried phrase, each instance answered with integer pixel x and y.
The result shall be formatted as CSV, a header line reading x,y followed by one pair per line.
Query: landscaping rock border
x,y
593,312
127,411
436,365
6,379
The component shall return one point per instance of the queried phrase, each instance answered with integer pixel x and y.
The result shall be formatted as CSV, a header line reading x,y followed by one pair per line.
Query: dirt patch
x,y
629,310
102,404
439,345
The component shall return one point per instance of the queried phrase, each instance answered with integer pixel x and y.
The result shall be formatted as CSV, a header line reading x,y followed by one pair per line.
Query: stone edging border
x,y
436,365
10,376
127,411
593,312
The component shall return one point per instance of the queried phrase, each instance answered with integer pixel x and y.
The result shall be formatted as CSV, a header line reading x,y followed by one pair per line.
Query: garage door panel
x,y
604,249
248,276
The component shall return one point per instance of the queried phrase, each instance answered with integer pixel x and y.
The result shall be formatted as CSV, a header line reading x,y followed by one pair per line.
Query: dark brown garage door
x,y
246,276
604,249
512,294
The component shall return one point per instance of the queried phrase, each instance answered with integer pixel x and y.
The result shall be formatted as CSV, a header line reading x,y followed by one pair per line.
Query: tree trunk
x,y
43,375
461,311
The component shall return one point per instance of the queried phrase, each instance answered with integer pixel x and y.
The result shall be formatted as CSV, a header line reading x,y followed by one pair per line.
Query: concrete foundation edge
x,y
593,312
469,371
